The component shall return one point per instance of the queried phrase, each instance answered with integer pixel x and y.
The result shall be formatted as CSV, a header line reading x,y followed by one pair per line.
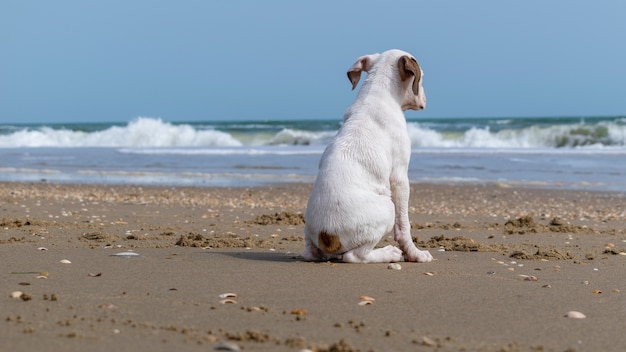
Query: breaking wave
x,y
145,132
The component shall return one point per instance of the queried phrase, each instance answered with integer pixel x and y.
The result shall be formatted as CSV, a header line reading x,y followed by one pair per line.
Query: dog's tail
x,y
329,243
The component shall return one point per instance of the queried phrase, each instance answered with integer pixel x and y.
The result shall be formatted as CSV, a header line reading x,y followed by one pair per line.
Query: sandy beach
x,y
104,268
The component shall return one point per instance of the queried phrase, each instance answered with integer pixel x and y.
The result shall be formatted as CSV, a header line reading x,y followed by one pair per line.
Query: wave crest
x,y
141,132
605,134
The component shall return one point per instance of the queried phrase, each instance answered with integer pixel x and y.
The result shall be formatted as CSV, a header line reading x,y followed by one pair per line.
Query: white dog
x,y
362,189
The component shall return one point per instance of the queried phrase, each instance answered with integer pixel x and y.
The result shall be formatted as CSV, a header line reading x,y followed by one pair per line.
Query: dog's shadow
x,y
265,256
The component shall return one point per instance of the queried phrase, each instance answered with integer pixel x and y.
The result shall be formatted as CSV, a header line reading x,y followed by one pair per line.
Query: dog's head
x,y
401,71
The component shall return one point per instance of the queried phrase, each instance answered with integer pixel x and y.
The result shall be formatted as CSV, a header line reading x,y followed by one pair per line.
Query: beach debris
x,y
228,295
20,295
529,278
108,306
575,315
42,248
596,292
94,275
366,300
394,266
65,261
299,311
127,254
429,273
52,297
228,301
256,309
427,341
227,346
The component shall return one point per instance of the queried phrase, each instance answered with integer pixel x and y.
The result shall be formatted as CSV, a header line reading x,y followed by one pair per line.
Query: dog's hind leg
x,y
368,255
311,252
314,254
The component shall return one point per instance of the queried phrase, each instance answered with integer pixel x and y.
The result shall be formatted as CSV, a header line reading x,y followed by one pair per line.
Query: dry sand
x,y
510,263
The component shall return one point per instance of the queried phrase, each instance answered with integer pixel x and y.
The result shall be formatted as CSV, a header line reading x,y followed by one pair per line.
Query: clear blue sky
x,y
108,61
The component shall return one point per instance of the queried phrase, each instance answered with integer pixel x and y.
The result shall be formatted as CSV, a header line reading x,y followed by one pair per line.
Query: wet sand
x,y
510,263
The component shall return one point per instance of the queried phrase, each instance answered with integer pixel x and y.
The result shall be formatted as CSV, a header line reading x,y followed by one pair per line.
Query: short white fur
x,y
362,189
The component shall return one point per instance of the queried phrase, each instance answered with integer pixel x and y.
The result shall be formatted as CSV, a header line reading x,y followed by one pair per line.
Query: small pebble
x,y
16,294
575,315
125,254
394,266
227,346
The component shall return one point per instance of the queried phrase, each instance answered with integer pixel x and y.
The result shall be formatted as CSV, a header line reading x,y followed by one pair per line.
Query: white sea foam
x,y
147,132
605,134
225,151
141,132
289,136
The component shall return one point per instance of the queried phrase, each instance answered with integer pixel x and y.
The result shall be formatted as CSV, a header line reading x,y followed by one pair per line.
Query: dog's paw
x,y
393,253
419,256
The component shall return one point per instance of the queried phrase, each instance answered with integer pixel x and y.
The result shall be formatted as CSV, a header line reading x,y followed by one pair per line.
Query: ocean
x,y
587,153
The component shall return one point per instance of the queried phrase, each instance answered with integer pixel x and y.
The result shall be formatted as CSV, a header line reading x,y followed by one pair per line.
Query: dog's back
x,y
352,203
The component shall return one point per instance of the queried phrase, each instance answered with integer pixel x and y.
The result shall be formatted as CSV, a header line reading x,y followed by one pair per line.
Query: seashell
x,y
16,294
65,261
365,303
529,278
228,301
42,248
394,266
574,315
228,295
366,298
299,311
596,292
429,273
125,254
227,346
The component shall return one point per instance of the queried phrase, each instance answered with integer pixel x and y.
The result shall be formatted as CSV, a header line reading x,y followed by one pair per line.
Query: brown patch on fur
x,y
329,243
408,66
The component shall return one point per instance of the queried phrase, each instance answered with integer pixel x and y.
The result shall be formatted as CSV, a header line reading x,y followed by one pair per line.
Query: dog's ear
x,y
408,66
364,63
